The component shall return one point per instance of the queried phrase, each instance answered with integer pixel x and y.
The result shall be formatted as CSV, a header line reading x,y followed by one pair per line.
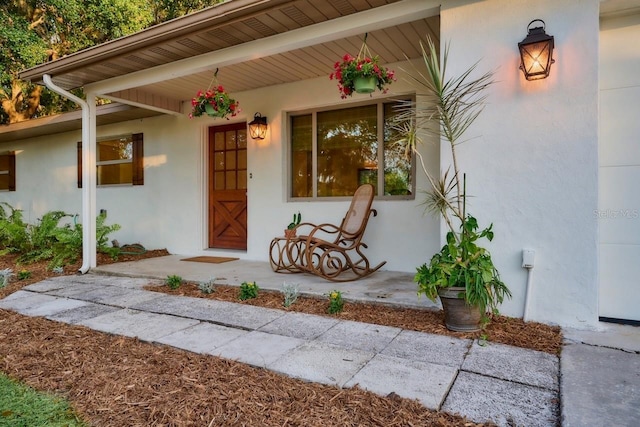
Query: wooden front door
x,y
228,186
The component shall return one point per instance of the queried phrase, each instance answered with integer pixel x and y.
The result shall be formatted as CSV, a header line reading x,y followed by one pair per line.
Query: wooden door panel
x,y
228,186
229,219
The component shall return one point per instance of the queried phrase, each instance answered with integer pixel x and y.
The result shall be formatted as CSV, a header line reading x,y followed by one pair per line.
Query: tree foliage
x,y
37,31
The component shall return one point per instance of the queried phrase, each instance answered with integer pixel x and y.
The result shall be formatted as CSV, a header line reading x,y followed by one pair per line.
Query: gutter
x,y
87,241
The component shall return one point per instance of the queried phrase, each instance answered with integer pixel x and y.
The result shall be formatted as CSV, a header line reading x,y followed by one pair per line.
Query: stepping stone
x,y
506,362
322,363
426,382
439,349
483,399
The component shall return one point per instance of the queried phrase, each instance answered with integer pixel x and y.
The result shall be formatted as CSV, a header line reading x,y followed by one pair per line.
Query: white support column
x,y
89,182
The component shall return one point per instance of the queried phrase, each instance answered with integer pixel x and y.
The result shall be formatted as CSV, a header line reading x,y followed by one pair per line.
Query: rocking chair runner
x,y
329,251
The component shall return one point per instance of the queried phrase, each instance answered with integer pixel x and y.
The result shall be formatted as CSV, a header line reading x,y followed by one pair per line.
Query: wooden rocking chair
x,y
332,252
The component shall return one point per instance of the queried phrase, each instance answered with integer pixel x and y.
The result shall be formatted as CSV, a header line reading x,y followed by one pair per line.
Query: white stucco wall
x,y
533,168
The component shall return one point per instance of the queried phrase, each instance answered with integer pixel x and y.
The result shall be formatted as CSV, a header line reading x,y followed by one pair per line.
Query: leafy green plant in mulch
x,y
173,281
5,276
248,290
22,406
24,274
290,292
207,287
336,303
50,238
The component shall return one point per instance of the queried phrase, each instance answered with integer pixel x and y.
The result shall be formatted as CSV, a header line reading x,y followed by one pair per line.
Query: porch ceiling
x,y
230,24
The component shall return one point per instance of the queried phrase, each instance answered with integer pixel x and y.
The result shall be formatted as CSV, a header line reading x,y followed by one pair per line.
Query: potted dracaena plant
x,y
462,274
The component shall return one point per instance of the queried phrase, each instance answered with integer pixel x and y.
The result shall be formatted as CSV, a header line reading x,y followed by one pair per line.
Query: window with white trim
x,y
332,152
119,160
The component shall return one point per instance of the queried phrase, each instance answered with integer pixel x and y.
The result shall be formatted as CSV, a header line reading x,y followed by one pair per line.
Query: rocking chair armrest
x,y
315,232
324,228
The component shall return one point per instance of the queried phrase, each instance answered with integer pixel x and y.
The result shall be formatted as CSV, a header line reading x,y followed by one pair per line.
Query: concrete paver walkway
x,y
599,370
504,384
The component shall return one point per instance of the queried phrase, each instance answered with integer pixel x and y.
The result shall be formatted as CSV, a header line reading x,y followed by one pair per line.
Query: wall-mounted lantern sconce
x,y
258,127
536,52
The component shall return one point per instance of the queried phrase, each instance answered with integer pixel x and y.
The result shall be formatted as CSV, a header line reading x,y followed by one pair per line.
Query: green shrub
x,y
173,281
248,290
13,230
48,239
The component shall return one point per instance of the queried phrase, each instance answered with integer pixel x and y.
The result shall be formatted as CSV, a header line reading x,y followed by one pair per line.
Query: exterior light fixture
x,y
536,52
258,127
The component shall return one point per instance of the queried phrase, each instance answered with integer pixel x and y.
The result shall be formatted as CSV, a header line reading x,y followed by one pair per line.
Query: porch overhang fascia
x,y
371,19
219,14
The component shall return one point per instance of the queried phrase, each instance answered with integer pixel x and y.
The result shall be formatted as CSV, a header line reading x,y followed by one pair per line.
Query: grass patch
x,y
23,406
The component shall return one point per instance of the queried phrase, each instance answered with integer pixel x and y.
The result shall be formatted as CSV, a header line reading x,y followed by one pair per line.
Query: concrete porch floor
x,y
385,287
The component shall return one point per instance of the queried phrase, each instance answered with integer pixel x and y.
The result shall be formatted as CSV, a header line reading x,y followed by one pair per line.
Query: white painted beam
x,y
149,101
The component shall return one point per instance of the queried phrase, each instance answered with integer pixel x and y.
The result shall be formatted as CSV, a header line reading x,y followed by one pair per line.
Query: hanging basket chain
x,y
214,79
364,49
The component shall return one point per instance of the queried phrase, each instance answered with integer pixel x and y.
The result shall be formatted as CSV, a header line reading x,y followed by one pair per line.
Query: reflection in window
x,y
347,146
115,161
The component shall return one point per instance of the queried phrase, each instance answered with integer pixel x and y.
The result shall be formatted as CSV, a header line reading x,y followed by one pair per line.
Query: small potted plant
x,y
214,102
362,74
290,231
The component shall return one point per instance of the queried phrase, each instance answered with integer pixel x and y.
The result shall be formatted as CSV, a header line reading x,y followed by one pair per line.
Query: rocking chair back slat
x,y
356,218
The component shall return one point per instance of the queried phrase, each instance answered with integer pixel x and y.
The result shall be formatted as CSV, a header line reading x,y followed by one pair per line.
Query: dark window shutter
x,y
12,171
79,164
138,159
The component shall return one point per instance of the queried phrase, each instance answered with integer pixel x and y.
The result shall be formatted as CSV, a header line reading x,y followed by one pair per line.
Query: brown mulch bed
x,y
118,381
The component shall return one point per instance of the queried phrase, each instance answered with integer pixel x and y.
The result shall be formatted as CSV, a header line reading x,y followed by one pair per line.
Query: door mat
x,y
210,259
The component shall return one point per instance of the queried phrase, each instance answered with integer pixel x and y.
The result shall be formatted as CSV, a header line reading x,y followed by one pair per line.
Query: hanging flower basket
x,y
214,102
362,74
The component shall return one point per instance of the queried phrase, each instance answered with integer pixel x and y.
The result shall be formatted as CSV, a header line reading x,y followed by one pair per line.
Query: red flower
x,y
350,68
218,102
